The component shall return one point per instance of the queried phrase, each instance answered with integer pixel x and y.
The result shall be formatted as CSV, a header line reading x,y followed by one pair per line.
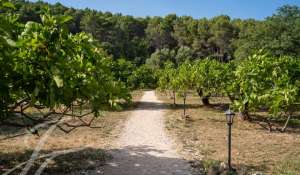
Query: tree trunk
x,y
184,100
174,98
245,114
200,93
204,99
270,126
286,123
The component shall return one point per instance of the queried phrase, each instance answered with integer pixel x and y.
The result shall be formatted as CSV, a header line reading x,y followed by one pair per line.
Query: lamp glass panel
x,y
231,118
228,118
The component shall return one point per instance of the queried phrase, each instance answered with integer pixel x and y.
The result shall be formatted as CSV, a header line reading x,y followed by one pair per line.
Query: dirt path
x,y
144,147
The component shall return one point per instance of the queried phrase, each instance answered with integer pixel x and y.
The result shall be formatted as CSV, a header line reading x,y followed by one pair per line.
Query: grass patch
x,y
209,164
287,167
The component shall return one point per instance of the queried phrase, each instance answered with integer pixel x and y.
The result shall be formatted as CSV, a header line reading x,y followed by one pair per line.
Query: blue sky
x,y
258,9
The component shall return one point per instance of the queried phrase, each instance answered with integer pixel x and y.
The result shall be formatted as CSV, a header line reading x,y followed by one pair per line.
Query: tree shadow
x,y
142,105
139,160
88,159
130,160
276,123
219,106
6,131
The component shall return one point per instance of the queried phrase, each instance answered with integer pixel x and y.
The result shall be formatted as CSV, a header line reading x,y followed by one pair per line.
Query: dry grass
x,y
93,140
204,136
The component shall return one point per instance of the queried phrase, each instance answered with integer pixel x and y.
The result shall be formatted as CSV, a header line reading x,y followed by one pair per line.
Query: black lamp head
x,y
229,116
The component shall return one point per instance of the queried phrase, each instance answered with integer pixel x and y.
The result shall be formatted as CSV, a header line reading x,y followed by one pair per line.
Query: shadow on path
x,y
140,160
85,160
144,160
143,105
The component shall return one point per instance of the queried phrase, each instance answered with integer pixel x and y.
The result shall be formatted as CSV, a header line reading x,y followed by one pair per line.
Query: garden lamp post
x,y
229,118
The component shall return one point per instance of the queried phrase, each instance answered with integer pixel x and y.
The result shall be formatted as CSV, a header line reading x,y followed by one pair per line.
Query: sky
x,y
258,9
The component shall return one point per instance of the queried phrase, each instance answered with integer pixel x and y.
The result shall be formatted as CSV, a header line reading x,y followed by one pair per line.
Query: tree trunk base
x,y
244,116
205,101
283,129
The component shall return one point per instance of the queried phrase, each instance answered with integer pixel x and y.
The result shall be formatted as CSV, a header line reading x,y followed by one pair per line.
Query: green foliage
x,y
135,39
132,76
278,34
41,60
223,33
8,29
184,54
210,164
201,44
268,81
51,67
209,76
261,81
178,80
185,28
143,77
121,36
184,78
168,77
122,70
159,57
159,32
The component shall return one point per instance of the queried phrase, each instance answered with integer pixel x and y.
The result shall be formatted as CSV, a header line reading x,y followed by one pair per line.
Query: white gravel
x,y
143,147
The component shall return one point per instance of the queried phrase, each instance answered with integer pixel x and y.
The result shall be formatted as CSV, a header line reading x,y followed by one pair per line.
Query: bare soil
x,y
203,136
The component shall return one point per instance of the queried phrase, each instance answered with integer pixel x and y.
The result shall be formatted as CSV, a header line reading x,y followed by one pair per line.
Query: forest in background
x,y
154,40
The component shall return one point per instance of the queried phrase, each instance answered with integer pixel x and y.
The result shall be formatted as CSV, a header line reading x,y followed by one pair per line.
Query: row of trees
x,y
45,68
221,37
50,62
261,81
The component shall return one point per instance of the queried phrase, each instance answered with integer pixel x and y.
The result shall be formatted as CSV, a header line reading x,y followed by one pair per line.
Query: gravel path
x,y
144,147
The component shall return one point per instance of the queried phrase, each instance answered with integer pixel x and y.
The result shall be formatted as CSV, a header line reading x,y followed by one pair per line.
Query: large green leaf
x,y
59,82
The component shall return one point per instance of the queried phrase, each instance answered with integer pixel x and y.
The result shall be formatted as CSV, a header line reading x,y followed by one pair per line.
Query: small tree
x,y
184,82
167,79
